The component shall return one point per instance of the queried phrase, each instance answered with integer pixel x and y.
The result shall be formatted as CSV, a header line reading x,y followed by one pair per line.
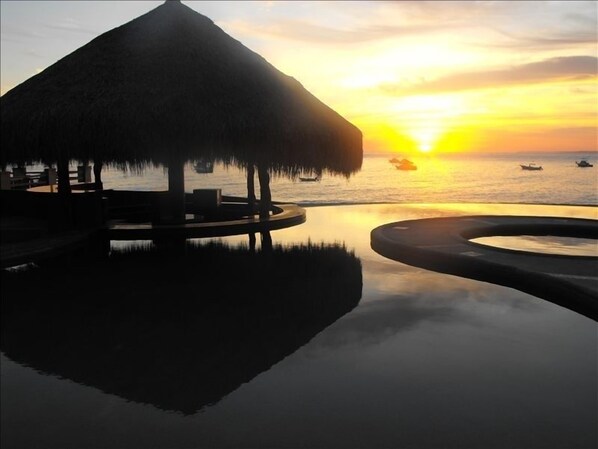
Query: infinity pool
x,y
317,342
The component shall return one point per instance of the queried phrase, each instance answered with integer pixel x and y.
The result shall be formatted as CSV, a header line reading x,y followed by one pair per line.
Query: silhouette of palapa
x,y
176,332
169,87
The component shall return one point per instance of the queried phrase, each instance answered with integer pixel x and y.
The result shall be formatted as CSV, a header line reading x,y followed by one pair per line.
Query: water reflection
x,y
426,359
569,246
176,331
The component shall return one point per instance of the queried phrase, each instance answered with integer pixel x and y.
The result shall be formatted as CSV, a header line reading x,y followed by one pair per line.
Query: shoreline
x,y
366,203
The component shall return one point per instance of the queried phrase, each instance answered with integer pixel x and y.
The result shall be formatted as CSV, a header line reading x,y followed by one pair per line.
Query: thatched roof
x,y
172,82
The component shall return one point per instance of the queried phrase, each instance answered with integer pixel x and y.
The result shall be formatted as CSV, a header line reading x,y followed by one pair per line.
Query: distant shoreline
x,y
477,153
366,203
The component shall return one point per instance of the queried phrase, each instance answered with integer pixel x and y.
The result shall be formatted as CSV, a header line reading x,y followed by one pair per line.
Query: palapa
x,y
170,87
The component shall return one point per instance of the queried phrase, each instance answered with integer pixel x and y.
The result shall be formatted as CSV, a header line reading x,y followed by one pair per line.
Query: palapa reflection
x,y
176,331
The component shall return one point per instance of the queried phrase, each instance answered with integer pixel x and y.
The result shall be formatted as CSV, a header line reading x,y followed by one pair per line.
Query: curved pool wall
x,y
445,245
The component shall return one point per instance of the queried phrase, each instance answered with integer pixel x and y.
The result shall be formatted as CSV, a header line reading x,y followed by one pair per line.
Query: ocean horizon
x,y
439,178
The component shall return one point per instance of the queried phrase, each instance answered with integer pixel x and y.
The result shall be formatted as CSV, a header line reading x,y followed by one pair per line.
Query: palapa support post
x,y
176,189
266,242
251,188
64,183
97,175
265,195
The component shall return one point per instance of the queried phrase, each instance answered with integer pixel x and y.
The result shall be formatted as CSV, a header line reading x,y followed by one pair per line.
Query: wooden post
x,y
266,242
176,189
97,174
265,195
250,188
64,183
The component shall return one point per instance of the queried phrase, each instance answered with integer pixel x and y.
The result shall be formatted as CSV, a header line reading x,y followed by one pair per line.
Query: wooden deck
x,y
287,215
41,245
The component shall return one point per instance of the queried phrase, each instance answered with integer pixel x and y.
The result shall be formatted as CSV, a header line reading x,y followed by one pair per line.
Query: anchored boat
x,y
531,166
406,164
584,163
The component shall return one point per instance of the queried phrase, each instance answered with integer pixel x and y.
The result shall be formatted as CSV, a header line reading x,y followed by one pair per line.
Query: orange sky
x,y
413,76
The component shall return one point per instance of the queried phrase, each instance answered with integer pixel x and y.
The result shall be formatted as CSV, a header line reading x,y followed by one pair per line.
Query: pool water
x,y
316,342
567,246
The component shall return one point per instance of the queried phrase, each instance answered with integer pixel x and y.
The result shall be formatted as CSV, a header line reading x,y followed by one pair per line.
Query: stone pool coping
x,y
442,244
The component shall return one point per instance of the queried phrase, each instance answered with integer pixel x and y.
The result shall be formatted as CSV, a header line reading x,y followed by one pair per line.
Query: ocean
x,y
455,178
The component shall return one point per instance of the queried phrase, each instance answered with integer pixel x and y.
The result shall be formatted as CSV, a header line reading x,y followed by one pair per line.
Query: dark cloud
x,y
561,68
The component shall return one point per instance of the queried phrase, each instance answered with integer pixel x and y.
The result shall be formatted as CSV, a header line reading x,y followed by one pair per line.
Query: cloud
x,y
496,24
588,21
552,41
18,34
306,31
553,69
71,26
464,302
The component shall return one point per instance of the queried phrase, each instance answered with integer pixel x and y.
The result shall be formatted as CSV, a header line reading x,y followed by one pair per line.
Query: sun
x,y
425,147
426,137
425,119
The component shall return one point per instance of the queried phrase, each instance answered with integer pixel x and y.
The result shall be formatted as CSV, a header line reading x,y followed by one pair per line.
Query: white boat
x,y
531,166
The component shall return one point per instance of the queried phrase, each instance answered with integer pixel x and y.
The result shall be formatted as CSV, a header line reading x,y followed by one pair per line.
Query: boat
x,y
405,164
531,166
314,179
204,166
394,160
584,163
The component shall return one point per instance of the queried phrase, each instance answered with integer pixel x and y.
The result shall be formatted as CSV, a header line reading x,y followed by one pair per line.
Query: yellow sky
x,y
452,76
413,76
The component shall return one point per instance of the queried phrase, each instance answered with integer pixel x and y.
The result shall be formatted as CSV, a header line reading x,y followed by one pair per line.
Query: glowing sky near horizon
x,y
413,76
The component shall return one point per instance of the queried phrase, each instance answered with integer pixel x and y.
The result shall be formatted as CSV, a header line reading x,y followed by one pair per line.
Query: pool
x,y
314,342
